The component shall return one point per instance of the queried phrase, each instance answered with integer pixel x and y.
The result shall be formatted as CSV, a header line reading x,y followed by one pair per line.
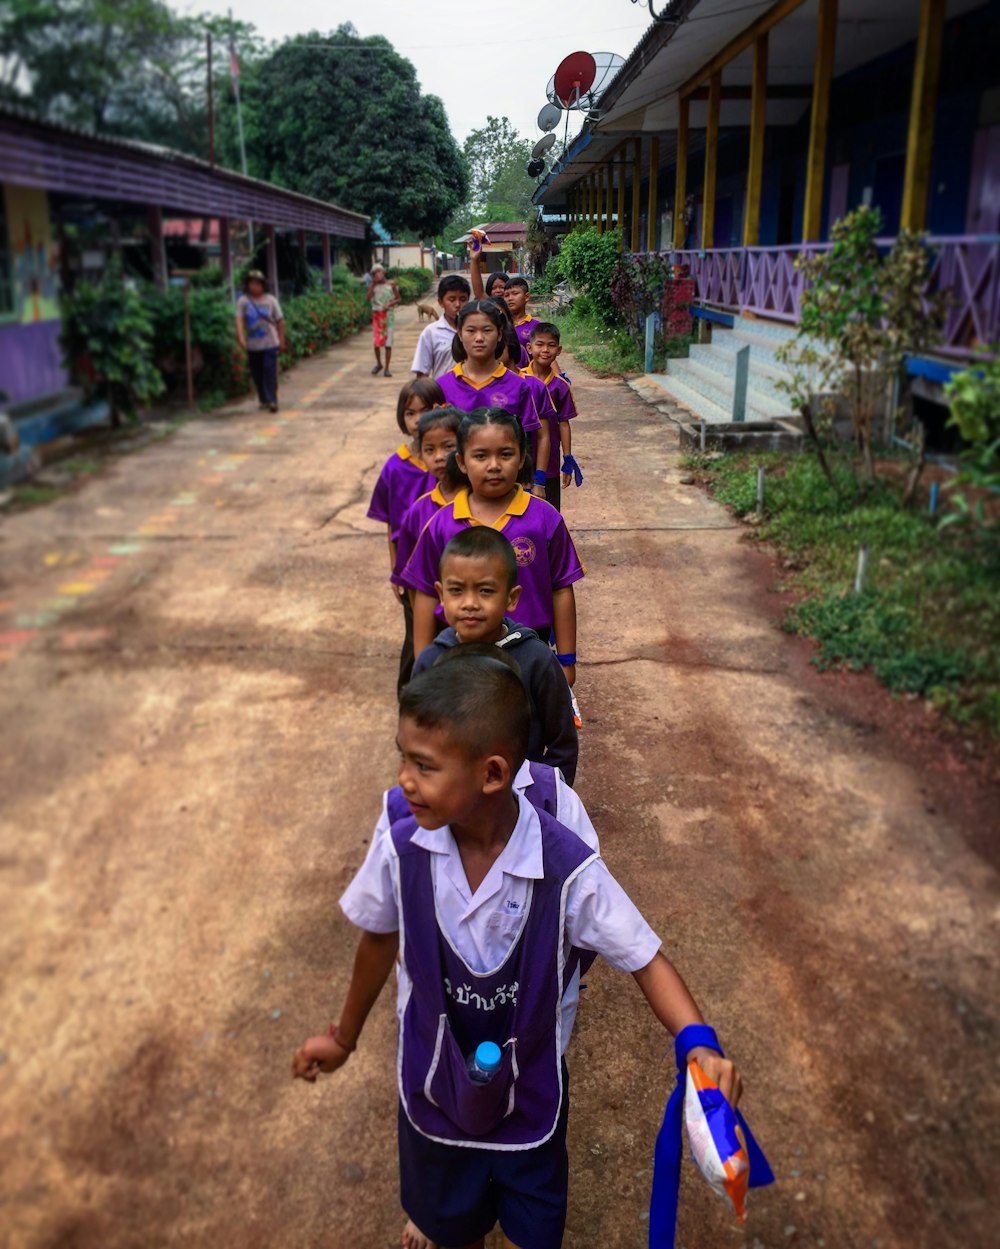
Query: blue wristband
x,y
690,1038
571,468
568,660
540,477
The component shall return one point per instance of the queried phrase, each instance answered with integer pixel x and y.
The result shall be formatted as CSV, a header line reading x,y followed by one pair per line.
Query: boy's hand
x,y
569,672
320,1054
720,1071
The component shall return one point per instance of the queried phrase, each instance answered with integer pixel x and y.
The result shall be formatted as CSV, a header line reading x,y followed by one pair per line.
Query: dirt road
x,y
197,667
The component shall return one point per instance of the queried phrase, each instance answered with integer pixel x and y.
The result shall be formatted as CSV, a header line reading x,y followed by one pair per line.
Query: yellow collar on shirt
x,y
528,372
524,320
405,453
437,497
517,507
498,372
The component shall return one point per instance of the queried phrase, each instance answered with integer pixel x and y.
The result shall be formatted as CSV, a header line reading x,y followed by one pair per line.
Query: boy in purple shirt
x,y
516,297
559,408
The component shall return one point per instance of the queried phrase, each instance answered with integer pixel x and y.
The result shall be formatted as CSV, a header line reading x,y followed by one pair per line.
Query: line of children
x,y
492,448
487,906
481,379
483,885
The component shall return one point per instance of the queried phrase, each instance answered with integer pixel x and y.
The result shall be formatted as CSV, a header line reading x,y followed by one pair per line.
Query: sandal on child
x,y
376,370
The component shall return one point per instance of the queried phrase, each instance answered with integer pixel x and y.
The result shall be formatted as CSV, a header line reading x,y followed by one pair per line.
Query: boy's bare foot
x,y
413,1237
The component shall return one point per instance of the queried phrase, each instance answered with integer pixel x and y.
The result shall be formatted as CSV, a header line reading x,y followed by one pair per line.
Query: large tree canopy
x,y
497,158
342,118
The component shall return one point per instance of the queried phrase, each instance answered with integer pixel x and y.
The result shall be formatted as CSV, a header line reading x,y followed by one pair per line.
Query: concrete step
x,y
701,408
776,331
718,388
764,374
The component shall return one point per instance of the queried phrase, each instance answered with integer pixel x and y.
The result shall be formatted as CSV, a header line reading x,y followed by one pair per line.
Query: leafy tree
x,y
342,118
500,188
974,394
862,313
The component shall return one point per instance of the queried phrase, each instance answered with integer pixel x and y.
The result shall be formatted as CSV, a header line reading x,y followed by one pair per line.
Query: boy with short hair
x,y
489,906
477,588
433,355
545,350
516,297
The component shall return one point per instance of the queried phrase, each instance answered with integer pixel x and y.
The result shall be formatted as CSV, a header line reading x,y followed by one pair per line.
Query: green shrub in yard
x,y
587,260
412,281
927,619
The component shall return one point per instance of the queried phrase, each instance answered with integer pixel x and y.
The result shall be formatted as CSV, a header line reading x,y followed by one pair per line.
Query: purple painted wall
x,y
30,360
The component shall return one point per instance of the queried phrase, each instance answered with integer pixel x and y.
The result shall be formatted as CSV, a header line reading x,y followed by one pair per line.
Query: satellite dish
x,y
543,145
606,66
535,167
548,118
574,78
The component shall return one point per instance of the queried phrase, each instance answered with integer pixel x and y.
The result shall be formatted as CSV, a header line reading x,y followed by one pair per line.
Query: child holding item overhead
x,y
403,479
476,1152
478,588
492,447
480,379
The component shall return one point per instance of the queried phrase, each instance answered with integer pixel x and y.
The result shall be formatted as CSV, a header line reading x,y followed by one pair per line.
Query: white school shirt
x,y
482,927
433,354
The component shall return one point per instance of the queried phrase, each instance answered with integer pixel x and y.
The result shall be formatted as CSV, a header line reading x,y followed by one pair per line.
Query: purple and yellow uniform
x,y
417,515
555,404
523,330
502,389
403,479
546,557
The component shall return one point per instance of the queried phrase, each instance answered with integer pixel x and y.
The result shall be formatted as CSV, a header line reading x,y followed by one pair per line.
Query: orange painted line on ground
x,y
77,587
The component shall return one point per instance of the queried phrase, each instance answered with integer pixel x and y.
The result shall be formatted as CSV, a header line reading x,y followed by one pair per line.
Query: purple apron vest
x,y
452,1009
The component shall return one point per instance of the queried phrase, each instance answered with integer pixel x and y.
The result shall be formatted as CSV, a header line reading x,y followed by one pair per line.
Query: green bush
x,y
107,341
221,368
412,281
588,259
315,321
975,411
926,619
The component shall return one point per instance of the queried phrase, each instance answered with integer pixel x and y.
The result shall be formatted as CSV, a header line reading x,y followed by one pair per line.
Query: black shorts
x,y
455,1195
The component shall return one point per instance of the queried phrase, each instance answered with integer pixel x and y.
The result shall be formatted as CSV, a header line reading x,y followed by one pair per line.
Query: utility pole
x,y
234,73
211,102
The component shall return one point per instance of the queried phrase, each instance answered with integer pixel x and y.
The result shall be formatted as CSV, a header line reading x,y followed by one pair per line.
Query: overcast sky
x,y
479,58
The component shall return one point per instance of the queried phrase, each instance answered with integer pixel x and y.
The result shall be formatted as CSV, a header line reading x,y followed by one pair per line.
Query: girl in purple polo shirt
x,y
481,380
492,447
403,479
437,436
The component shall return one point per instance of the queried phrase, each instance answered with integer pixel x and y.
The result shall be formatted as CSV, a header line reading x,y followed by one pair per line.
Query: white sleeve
x,y
571,812
370,901
423,357
600,916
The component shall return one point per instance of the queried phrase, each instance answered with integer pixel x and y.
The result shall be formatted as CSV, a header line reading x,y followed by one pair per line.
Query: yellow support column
x,y
826,41
920,137
636,188
711,155
758,125
681,176
591,201
609,210
654,175
621,199
600,200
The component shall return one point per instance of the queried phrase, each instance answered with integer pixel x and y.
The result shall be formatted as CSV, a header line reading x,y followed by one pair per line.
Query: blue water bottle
x,y
485,1062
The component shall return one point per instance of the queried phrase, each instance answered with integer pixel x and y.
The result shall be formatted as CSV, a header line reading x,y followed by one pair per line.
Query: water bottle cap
x,y
488,1056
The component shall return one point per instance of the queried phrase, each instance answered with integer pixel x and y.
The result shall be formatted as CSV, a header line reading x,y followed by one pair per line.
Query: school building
x,y
68,199
735,135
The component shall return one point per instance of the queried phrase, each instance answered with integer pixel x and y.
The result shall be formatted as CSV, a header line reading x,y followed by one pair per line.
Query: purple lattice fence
x,y
764,281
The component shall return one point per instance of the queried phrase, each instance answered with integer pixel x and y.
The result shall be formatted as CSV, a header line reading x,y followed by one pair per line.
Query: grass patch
x,y
30,494
79,467
927,621
607,352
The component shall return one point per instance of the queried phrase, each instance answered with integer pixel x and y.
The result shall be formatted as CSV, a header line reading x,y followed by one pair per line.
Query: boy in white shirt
x,y
433,355
489,906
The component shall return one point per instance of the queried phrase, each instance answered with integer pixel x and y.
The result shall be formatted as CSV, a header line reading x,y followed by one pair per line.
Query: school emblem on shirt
x,y
499,398
524,550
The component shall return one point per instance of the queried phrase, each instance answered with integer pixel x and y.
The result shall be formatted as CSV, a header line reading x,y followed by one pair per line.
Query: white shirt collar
x,y
521,856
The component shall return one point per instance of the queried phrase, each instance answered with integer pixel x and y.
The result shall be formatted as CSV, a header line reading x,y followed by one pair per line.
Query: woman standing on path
x,y
260,328
384,296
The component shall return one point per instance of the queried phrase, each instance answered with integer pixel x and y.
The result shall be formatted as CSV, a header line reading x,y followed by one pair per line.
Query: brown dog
x,y
428,311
